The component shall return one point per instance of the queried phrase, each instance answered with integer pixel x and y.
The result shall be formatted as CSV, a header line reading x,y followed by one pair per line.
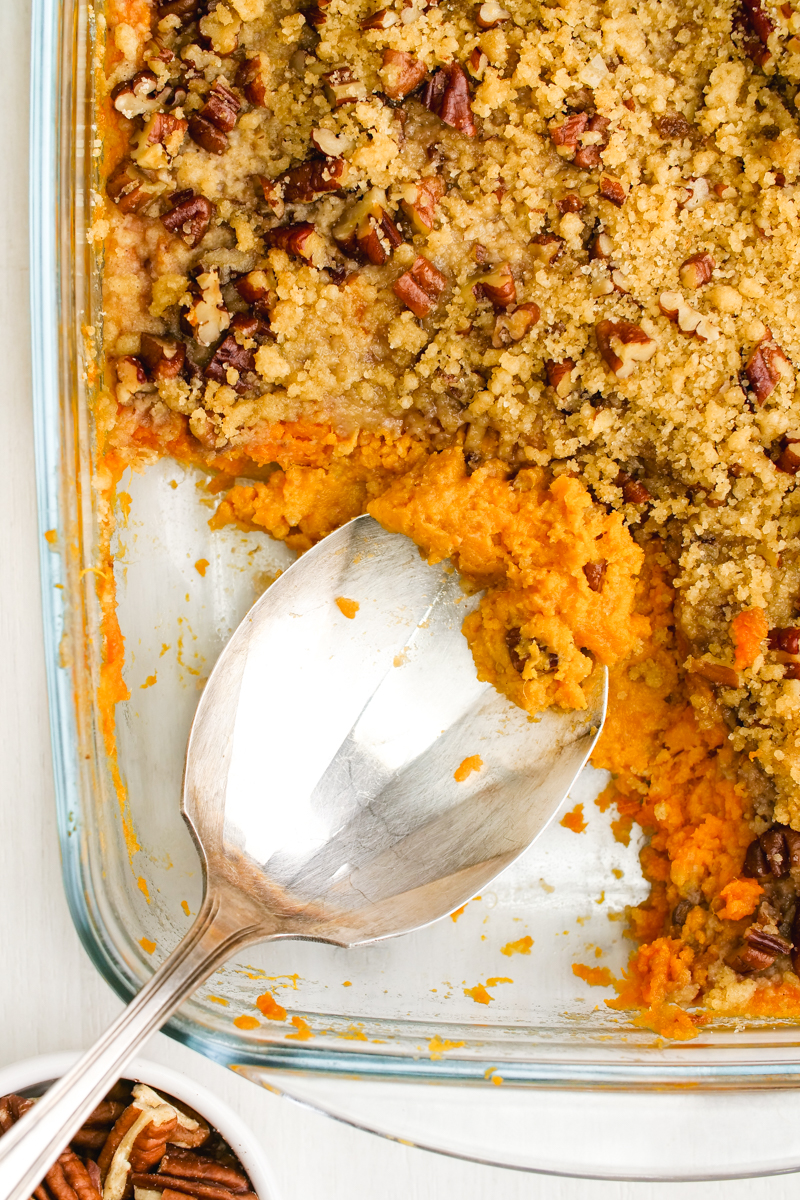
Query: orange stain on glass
x,y
269,1006
149,681
479,994
147,945
521,946
141,883
574,819
473,763
594,976
303,1033
201,566
348,608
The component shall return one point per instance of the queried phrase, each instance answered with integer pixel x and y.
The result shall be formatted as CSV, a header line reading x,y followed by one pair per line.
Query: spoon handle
x,y
29,1149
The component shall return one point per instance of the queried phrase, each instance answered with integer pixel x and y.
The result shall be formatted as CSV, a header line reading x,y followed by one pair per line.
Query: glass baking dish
x,y
397,1010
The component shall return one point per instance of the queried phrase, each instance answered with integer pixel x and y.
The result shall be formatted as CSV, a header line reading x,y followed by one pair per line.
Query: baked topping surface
x,y
524,280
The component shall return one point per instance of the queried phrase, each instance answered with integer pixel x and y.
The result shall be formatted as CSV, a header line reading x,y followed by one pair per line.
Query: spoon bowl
x,y
328,787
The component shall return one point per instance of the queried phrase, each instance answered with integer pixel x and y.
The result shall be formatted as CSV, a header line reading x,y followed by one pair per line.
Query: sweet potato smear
x,y
529,540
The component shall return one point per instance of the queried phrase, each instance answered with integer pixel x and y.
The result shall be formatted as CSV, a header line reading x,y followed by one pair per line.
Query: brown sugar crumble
x,y
523,281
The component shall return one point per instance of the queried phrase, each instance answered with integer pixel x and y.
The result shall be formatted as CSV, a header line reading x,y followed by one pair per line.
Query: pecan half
x,y
135,97
299,240
623,346
253,78
163,357
498,286
189,217
421,287
420,201
188,1187
314,178
186,1165
595,574
697,270
559,375
447,95
766,367
401,73
367,231
755,862
68,1179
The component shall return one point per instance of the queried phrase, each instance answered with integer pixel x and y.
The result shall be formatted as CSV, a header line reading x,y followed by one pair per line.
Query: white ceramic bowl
x,y
33,1072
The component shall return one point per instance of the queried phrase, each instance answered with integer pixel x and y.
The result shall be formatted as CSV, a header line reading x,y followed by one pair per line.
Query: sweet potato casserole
x,y
522,280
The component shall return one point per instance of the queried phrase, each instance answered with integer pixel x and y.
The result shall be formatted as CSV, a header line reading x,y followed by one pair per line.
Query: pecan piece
x,y
421,287
498,286
546,247
130,190
688,319
184,10
342,87
12,1108
588,156
477,63
215,120
401,73
559,375
131,378
206,135
328,143
229,356
613,191
315,14
715,672
776,852
189,217
135,97
367,231
314,178
186,1165
756,25
150,1144
299,240
490,14
673,127
384,18
162,357
633,490
788,460
253,78
697,270
623,345
766,367
420,201
755,862
207,315
571,203
565,136
595,574
159,141
600,246
512,326
785,639
255,289
447,95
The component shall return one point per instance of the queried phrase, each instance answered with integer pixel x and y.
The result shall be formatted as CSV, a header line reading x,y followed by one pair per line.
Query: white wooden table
x,y
51,997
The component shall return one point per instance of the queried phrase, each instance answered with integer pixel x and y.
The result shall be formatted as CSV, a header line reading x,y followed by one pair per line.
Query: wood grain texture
x,y
51,997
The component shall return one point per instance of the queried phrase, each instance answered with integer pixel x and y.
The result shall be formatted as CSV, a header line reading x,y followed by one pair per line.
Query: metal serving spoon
x,y
319,787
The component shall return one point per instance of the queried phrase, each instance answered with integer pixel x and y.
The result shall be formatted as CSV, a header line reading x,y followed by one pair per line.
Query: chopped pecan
x,y
159,141
207,315
755,862
785,639
184,10
299,240
673,126
613,191
559,375
420,201
477,63
696,192
314,178
633,490
588,155
766,367
512,326
228,357
688,319
186,1165
753,21
421,287
490,14
600,246
189,217
367,231
342,87
595,574
623,345
715,672
565,136
776,852
752,958
571,203
135,97
328,143
131,378
253,78
697,270
130,190
273,194
163,357
211,126
546,247
788,460
254,287
447,95
384,18
513,640
498,287
315,13
401,73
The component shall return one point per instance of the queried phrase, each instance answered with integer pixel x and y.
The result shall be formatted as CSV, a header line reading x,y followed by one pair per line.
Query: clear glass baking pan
x,y
397,1010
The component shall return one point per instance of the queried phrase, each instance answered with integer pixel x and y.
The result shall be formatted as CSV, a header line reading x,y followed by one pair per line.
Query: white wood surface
x,y
51,997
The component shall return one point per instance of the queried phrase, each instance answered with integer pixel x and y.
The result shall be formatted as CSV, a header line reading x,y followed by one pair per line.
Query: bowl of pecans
x,y
157,1135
